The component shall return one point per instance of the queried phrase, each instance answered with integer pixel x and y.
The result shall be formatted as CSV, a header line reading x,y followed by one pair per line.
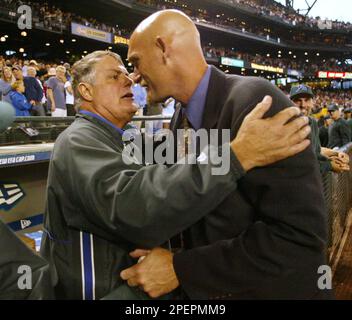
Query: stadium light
x,y
62,40
73,40
24,34
68,52
294,57
318,54
21,50
110,48
306,53
2,39
47,44
6,36
268,55
290,52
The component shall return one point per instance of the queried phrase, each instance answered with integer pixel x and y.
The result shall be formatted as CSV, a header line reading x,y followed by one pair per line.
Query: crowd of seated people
x,y
53,18
313,65
241,24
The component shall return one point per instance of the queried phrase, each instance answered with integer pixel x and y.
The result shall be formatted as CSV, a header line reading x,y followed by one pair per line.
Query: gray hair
x,y
61,68
84,71
31,71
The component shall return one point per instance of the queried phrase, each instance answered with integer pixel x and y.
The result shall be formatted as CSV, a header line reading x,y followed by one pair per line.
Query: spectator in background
x,y
324,132
329,160
168,111
6,81
68,71
34,92
17,72
7,75
56,93
19,101
25,68
339,131
70,101
140,99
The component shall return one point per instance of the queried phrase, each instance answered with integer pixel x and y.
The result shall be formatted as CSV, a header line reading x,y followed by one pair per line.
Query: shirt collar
x,y
96,116
195,107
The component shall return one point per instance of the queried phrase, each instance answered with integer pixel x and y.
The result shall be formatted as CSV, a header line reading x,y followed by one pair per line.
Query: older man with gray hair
x,y
100,207
56,93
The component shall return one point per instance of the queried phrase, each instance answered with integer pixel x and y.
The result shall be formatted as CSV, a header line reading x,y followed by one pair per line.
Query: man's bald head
x,y
168,24
166,51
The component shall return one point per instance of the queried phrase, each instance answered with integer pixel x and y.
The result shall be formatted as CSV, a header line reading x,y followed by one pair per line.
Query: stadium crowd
x,y
315,64
36,89
53,18
17,87
246,26
276,10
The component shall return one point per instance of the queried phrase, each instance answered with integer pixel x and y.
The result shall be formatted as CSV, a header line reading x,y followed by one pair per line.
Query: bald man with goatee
x,y
268,238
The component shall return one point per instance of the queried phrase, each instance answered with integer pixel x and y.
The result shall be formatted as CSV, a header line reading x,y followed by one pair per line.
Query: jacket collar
x,y
215,98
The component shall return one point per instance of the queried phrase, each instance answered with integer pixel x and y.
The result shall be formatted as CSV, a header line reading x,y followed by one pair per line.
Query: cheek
x,y
107,95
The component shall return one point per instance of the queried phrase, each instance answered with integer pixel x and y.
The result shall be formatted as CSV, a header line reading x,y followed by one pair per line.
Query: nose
x,y
135,76
128,80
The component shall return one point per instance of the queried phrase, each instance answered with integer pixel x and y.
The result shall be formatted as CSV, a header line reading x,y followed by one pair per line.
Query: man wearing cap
x,y
339,131
324,131
17,72
329,160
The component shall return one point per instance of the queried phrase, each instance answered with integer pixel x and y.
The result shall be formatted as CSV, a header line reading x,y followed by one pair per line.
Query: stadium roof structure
x,y
306,10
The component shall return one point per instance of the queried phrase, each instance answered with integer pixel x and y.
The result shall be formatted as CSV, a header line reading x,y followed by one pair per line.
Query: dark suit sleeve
x,y
14,254
279,254
38,90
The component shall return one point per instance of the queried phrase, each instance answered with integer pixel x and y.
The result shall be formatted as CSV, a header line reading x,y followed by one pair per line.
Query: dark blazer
x,y
267,239
33,89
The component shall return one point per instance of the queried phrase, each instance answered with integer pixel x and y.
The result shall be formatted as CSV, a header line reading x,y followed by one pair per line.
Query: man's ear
x,y
161,44
86,91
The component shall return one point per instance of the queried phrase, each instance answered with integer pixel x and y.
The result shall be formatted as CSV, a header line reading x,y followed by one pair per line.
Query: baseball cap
x,y
302,89
333,107
17,67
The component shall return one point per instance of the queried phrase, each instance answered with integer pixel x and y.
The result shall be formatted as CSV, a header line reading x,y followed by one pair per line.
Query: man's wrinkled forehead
x,y
112,65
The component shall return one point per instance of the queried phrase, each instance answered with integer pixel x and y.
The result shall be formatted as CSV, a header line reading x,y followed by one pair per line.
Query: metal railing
x,y
338,199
